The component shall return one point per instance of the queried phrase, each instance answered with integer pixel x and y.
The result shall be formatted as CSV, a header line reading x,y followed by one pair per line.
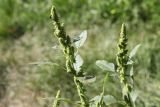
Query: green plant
x,y
122,63
123,69
70,55
74,63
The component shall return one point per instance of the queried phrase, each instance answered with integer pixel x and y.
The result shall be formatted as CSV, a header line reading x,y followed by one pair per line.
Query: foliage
x,y
28,20
133,11
74,62
124,69
69,52
20,15
17,15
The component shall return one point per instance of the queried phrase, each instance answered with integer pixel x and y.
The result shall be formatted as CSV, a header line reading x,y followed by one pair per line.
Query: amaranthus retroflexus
x,y
69,52
122,66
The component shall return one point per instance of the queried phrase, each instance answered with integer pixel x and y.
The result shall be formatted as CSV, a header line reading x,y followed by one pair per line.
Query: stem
x,y
101,102
81,92
69,52
56,101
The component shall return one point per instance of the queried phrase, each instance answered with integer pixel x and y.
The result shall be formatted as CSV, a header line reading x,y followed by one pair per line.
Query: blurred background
x,y
31,71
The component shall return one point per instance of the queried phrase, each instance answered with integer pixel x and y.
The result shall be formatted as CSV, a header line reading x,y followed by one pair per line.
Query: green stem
x,y
56,101
101,102
81,92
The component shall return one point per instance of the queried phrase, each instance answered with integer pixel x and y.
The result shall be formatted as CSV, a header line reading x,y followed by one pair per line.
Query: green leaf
x,y
96,99
87,79
131,71
134,95
105,65
134,50
79,62
109,99
81,39
130,81
124,90
130,62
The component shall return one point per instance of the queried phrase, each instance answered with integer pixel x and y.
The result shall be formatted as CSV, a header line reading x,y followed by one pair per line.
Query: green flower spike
x,y
122,59
69,52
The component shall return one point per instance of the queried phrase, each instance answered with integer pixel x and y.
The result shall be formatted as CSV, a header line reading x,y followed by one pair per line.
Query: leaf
x,y
109,99
130,81
131,71
105,65
130,62
95,100
81,39
87,79
134,50
124,90
134,95
79,62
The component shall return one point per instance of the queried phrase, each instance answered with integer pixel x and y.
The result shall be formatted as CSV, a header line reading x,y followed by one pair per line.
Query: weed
x,y
74,62
70,55
123,68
